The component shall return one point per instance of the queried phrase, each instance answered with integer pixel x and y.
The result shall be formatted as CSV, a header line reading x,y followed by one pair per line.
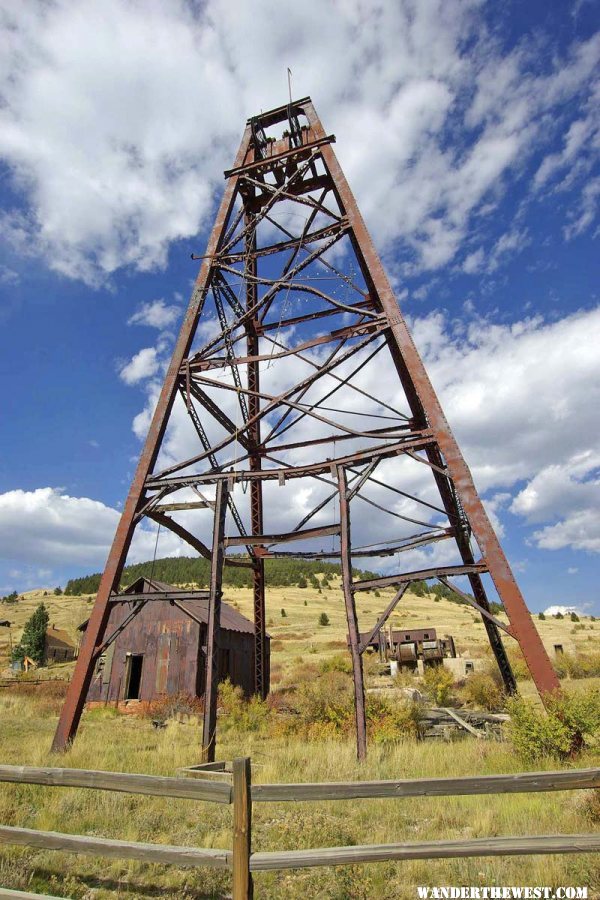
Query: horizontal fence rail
x,y
499,846
242,794
113,849
527,782
153,785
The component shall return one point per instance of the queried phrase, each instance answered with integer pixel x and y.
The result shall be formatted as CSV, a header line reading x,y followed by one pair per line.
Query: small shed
x,y
161,651
58,646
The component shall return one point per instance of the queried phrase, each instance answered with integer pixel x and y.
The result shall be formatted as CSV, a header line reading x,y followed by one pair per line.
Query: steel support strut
x,y
211,684
353,632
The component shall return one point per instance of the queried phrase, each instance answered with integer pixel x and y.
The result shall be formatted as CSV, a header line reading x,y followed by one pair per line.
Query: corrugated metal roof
x,y
231,619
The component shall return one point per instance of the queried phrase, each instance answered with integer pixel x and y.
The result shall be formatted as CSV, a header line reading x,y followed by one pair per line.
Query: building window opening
x,y
134,680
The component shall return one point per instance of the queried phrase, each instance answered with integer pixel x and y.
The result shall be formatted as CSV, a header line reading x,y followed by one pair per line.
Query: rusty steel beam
x,y
267,162
360,330
383,617
180,531
485,613
211,684
296,320
395,449
159,596
283,537
261,664
370,584
353,631
178,507
78,688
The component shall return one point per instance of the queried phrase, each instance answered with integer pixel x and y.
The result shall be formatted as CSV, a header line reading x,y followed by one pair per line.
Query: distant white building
x,y
565,610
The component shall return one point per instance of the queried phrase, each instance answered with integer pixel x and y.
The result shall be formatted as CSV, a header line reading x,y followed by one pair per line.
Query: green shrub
x,y
241,714
389,722
560,731
283,614
438,682
341,662
541,616
483,690
574,617
323,619
327,699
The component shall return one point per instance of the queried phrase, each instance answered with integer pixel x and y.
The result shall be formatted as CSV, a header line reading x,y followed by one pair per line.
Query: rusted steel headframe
x,y
275,290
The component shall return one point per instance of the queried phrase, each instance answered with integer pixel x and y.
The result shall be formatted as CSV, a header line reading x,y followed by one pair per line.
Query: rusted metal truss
x,y
297,374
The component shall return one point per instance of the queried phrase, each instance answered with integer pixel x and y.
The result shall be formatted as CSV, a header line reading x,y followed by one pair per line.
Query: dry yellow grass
x,y
126,744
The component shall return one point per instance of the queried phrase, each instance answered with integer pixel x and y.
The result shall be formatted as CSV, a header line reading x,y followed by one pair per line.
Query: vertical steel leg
x,y
209,728
357,668
261,666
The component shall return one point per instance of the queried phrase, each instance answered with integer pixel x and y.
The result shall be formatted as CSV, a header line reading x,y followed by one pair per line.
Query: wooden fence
x,y
238,791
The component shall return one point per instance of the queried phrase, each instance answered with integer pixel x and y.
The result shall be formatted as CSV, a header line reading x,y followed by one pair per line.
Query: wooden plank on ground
x,y
462,722
525,782
10,894
153,785
113,849
497,846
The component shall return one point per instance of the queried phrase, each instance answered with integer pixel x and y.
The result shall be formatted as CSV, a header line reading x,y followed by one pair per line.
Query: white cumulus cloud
x,y
141,366
155,314
48,527
117,119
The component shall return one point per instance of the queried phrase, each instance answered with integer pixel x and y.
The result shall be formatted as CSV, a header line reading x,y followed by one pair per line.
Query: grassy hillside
x,y
298,634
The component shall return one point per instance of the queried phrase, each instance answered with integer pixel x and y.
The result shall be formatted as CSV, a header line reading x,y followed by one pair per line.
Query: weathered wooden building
x,y
162,650
58,646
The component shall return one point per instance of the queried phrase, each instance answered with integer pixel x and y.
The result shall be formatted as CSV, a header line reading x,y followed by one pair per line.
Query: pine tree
x,y
33,642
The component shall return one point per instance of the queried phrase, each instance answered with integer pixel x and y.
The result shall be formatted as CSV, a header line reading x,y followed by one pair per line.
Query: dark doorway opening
x,y
134,679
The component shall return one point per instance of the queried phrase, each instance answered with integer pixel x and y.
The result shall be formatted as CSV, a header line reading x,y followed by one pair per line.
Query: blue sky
x,y
470,134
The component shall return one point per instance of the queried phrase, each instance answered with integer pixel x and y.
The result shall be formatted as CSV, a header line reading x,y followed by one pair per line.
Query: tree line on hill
x,y
278,572
196,570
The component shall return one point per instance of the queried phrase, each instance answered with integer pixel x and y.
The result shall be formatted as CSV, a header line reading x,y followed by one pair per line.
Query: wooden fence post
x,y
242,829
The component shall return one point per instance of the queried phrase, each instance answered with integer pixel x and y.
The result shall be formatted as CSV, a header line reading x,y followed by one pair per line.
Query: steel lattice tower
x,y
283,365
